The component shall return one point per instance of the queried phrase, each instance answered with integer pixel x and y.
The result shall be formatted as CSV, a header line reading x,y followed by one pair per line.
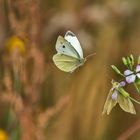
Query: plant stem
x,y
17,85
134,100
136,87
130,131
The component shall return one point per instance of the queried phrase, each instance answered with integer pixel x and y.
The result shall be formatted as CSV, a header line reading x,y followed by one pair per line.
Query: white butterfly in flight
x,y
69,53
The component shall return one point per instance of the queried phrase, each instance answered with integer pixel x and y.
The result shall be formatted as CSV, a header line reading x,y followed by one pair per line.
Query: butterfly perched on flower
x,y
118,95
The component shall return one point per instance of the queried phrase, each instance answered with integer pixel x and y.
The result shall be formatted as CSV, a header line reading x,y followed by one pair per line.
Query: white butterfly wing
x,y
109,103
64,47
70,37
66,63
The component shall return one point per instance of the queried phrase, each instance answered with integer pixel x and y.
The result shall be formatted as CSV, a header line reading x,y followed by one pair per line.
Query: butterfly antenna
x,y
90,55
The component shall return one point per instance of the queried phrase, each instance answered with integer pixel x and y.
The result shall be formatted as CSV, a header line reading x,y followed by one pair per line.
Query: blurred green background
x,y
50,104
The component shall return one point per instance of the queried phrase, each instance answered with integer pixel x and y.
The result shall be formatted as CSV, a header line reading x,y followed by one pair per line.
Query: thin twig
x,y
130,131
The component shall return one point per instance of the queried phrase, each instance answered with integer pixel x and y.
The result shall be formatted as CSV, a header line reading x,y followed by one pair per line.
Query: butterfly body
x,y
69,53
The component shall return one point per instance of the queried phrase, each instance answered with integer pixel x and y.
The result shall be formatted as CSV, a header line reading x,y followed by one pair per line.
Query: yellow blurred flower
x,y
3,135
16,44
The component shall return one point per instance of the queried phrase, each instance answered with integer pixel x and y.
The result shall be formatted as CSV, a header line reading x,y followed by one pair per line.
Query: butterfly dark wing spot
x,y
63,46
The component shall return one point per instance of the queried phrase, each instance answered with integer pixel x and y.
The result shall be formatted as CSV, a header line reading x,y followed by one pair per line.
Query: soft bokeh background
x,y
38,101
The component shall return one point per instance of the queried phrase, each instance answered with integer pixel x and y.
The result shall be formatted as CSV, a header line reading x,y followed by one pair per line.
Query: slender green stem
x,y
136,87
134,100
122,75
17,85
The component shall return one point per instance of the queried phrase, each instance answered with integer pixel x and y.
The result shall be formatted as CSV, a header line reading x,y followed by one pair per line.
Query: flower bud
x,y
116,70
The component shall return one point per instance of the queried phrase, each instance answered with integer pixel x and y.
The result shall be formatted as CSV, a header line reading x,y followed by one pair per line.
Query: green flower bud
x,y
129,63
139,60
132,60
116,70
124,61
